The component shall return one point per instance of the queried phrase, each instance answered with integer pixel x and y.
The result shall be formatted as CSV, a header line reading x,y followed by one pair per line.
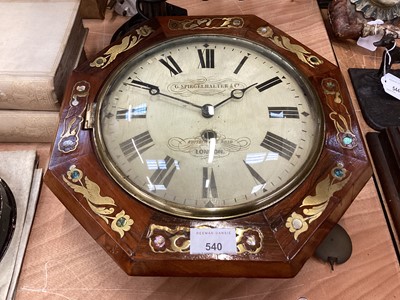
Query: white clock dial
x,y
208,126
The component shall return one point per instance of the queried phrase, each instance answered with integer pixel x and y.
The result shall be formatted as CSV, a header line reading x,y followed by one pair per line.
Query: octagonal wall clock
x,y
208,146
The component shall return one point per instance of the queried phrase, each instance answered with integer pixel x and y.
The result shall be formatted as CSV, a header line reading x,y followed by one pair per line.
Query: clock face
x,y
208,127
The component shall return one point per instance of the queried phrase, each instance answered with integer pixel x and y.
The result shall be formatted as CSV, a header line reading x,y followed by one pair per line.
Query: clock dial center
x,y
207,135
207,110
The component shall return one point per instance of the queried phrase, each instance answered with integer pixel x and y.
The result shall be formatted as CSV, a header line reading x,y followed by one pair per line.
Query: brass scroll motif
x,y
163,239
285,43
314,206
127,43
339,115
100,205
69,139
206,23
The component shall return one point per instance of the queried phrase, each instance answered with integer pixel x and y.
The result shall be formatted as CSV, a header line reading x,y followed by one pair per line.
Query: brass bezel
x,y
211,213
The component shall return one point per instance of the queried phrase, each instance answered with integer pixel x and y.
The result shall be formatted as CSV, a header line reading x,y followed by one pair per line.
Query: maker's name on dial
x,y
198,147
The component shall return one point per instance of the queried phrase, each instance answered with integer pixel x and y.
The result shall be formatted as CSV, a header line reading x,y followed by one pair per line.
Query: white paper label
x,y
213,240
368,41
391,85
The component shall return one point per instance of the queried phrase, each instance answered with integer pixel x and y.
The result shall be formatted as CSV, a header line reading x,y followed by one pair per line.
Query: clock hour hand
x,y
235,94
155,90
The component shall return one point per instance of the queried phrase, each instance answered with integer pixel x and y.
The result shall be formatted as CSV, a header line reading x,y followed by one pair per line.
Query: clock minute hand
x,y
235,94
155,90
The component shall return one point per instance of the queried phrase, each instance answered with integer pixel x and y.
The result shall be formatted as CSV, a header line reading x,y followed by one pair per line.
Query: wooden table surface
x,y
63,262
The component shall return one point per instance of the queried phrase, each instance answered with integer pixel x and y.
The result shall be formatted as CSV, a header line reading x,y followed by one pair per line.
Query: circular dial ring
x,y
208,126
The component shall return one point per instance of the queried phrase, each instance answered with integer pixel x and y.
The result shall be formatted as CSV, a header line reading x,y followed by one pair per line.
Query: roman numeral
x,y
209,184
162,176
134,147
268,84
139,111
279,145
206,57
171,64
257,178
283,112
240,64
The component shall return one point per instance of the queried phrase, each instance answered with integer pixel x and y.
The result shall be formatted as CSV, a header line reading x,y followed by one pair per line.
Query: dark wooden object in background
x,y
385,151
147,9
93,9
323,3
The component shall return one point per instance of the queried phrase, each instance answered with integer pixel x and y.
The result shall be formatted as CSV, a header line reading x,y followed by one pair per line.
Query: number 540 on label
x,y
213,241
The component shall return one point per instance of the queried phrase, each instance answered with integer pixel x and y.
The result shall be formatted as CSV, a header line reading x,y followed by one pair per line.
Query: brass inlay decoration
x,y
163,239
249,240
100,205
285,43
69,139
89,118
314,206
206,23
127,43
339,115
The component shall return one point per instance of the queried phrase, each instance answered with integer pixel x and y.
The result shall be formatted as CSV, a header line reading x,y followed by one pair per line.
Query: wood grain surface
x,y
63,262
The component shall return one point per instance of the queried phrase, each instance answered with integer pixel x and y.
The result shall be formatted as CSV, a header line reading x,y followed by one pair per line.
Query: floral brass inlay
x,y
285,43
69,139
127,43
163,239
206,23
100,205
249,240
339,115
314,206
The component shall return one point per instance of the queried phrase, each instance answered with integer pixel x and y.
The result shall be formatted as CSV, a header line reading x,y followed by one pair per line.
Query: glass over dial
x,y
208,126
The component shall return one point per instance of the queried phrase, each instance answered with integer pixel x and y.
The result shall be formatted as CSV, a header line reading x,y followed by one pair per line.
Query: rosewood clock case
x,y
272,242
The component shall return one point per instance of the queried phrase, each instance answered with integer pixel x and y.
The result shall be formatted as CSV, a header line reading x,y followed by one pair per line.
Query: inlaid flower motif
x,y
296,224
98,62
339,172
265,32
159,241
248,240
163,239
121,223
144,30
339,114
314,60
74,174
